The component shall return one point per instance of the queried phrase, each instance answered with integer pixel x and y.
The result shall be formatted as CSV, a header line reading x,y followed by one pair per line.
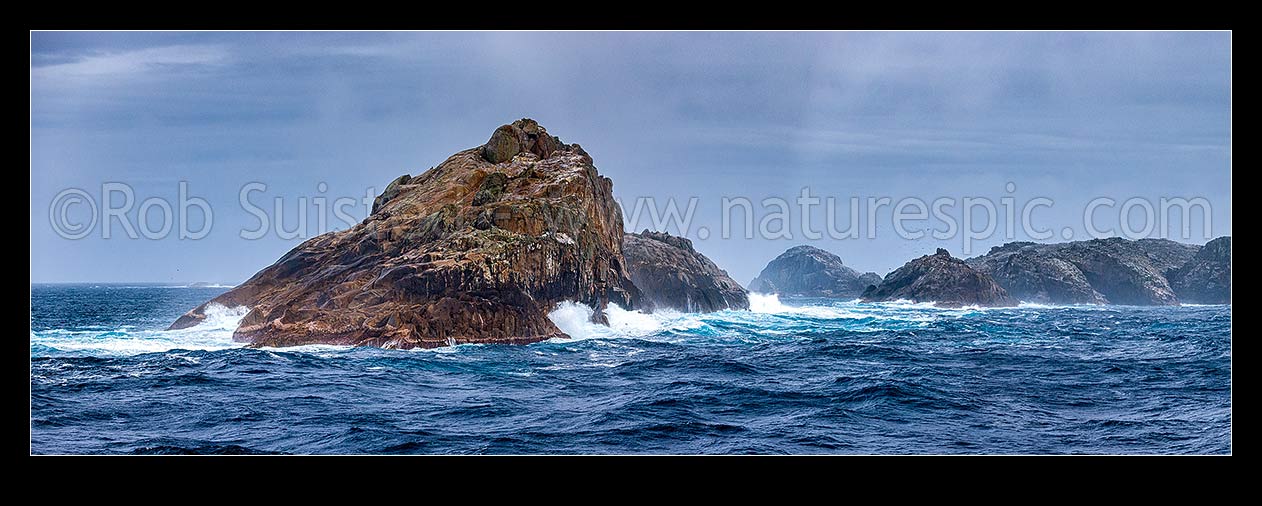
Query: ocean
x,y
791,376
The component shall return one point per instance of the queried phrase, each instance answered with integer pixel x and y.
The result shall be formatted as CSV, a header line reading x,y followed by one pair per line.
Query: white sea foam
x,y
907,304
1081,307
768,316
766,303
219,317
576,320
636,323
770,304
213,333
930,306
573,318
321,350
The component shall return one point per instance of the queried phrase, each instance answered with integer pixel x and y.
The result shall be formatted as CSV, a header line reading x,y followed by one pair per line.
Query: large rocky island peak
x,y
672,274
477,249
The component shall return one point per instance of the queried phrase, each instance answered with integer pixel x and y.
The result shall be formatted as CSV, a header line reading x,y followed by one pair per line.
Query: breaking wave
x,y
213,333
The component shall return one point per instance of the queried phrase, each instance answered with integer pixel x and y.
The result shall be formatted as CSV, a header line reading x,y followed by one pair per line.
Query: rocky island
x,y
942,279
672,274
808,271
1112,271
477,249
1206,278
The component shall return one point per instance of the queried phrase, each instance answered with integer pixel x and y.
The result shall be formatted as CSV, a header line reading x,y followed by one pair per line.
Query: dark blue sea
x,y
791,376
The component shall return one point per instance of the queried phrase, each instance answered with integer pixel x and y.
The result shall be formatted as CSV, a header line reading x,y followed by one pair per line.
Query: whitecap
x,y
212,333
762,303
576,320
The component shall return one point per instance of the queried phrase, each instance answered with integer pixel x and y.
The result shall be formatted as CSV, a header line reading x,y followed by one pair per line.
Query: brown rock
x,y
430,267
504,144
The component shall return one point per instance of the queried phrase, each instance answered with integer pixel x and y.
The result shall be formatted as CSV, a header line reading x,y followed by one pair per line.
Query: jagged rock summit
x,y
942,279
477,249
673,275
811,272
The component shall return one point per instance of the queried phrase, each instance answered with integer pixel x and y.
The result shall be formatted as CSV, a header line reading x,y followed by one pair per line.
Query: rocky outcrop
x,y
523,136
811,272
1036,276
673,275
942,279
477,249
1206,278
1099,271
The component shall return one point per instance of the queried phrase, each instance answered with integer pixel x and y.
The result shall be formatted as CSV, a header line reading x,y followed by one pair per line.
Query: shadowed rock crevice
x,y
477,249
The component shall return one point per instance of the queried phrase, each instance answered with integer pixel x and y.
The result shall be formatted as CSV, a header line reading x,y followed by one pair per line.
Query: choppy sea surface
x,y
800,376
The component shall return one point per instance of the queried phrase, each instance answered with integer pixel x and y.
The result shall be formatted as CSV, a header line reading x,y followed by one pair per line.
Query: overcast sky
x,y
1065,116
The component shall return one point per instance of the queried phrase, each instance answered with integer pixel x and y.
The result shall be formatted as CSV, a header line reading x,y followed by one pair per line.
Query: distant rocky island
x,y
1112,271
672,274
943,280
483,246
812,272
1098,271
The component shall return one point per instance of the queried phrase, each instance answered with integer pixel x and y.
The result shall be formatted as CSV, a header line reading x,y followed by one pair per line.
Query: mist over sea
x,y
789,376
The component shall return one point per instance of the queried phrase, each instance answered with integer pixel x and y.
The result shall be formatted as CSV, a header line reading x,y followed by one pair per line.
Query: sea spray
x,y
576,320
766,303
888,378
770,304
213,333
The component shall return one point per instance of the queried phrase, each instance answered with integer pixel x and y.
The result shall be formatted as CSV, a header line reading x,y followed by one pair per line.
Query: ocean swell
x,y
788,376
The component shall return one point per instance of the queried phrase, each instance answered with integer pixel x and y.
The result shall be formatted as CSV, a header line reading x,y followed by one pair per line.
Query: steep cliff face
x,y
673,275
1206,278
811,272
943,280
1099,271
477,249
